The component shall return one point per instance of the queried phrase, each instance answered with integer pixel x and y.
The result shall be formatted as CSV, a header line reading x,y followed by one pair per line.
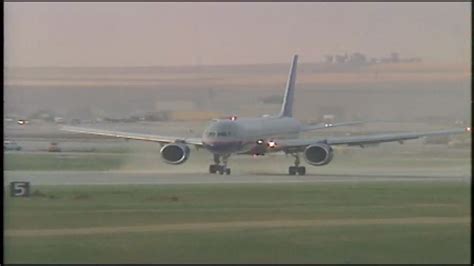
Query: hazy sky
x,y
143,34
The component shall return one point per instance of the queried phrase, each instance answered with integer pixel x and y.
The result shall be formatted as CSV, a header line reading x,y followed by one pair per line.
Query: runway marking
x,y
233,225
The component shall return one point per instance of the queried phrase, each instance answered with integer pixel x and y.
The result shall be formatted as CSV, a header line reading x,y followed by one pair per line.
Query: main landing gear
x,y
293,170
217,168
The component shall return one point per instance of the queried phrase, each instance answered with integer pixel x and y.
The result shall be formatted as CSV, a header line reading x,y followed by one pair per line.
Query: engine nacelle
x,y
175,153
318,154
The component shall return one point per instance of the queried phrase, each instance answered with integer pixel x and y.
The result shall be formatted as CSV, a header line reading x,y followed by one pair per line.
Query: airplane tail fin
x,y
287,106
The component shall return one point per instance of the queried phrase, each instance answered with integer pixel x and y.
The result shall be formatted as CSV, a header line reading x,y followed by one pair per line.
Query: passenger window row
x,y
220,134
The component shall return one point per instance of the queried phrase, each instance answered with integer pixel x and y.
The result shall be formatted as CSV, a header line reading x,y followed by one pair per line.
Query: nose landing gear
x,y
293,170
217,168
213,168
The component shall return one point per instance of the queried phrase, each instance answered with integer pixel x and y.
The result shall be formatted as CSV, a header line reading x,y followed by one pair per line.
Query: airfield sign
x,y
20,189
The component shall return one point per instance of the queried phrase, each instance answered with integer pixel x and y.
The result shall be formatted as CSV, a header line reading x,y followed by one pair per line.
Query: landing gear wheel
x,y
302,170
212,169
292,170
220,169
227,171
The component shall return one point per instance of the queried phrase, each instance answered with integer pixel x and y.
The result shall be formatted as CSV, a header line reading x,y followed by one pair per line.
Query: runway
x,y
163,178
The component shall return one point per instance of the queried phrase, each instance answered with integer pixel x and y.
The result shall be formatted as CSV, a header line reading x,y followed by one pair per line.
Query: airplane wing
x,y
134,136
330,125
300,144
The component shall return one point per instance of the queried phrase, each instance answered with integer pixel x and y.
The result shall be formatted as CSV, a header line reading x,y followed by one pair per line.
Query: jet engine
x,y
318,154
175,153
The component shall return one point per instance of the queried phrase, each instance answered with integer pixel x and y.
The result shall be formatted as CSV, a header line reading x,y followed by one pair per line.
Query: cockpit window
x,y
211,134
222,134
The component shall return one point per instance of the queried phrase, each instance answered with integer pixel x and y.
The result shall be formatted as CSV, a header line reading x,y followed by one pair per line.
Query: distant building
x,y
358,58
156,116
329,117
191,116
341,59
411,60
329,59
361,59
394,57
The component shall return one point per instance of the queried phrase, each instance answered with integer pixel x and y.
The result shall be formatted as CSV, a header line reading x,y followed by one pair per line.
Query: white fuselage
x,y
246,135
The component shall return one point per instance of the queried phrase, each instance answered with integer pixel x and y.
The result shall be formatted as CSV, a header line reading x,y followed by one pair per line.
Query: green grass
x,y
362,244
409,158
108,206
60,161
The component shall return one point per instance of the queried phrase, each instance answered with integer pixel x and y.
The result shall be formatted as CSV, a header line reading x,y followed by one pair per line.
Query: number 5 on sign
x,y
20,189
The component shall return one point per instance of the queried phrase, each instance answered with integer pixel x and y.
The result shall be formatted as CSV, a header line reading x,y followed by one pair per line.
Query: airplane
x,y
261,135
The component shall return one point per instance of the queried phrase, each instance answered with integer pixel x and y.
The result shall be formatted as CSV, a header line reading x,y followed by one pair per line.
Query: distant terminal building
x,y
179,111
191,115
361,59
329,118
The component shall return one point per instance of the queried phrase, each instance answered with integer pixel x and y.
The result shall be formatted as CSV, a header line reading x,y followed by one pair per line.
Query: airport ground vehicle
x,y
54,147
9,145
